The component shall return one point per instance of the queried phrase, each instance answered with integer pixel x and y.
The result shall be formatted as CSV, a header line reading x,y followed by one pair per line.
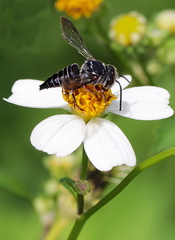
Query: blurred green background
x,y
31,47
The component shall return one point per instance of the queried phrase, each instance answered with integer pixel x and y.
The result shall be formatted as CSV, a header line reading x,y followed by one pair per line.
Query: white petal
x,y
143,103
107,146
26,93
123,81
59,134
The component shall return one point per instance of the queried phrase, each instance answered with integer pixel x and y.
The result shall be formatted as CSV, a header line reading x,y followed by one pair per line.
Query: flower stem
x,y
55,230
80,198
84,166
150,80
142,166
141,62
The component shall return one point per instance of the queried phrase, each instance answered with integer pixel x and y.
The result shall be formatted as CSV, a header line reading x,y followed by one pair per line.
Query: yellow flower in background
x,y
60,167
78,8
128,29
166,20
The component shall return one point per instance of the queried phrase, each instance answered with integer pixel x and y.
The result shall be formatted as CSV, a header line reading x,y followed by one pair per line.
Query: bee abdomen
x,y
62,77
53,81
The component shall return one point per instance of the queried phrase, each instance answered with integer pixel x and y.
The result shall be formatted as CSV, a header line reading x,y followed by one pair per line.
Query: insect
x,y
92,71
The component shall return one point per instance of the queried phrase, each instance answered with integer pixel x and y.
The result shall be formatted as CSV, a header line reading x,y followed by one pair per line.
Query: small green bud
x,y
82,187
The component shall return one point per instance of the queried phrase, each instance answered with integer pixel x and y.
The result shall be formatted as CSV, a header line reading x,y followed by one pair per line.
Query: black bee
x,y
92,71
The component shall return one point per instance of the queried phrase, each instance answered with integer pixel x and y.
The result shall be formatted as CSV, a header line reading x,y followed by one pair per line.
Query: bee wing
x,y
73,84
72,36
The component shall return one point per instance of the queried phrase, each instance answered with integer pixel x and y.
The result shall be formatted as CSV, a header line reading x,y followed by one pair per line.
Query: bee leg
x,y
102,90
89,89
104,97
73,96
67,93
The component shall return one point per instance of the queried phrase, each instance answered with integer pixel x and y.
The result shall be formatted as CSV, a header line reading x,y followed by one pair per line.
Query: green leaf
x,y
13,185
69,184
81,187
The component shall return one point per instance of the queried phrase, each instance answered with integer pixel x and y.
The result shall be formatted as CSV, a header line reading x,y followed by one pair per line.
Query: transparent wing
x,y
72,36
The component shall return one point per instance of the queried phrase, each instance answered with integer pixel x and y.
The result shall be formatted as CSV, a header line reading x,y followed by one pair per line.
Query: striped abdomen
x,y
65,78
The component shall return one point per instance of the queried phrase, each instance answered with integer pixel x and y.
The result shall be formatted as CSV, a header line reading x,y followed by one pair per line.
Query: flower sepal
x,y
81,186
69,184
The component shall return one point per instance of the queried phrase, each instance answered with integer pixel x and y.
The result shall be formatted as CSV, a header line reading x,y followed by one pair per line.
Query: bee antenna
x,y
124,78
120,101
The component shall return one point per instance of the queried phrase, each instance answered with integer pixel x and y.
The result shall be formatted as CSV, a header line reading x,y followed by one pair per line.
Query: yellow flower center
x,y
88,102
78,8
128,29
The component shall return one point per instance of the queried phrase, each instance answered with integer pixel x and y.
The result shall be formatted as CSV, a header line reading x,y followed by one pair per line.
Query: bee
x,y
92,71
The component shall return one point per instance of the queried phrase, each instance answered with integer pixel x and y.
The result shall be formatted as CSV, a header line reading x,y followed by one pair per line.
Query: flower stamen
x,y
89,101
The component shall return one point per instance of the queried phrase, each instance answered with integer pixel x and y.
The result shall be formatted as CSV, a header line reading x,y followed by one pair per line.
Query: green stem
x,y
83,176
60,223
84,168
150,80
142,166
55,230
140,60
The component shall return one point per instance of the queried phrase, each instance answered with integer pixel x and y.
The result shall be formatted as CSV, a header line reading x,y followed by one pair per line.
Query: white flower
x,y
105,144
166,20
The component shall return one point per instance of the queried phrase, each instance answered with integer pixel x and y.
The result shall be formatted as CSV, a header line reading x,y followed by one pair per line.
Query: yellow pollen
x,y
88,102
78,8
